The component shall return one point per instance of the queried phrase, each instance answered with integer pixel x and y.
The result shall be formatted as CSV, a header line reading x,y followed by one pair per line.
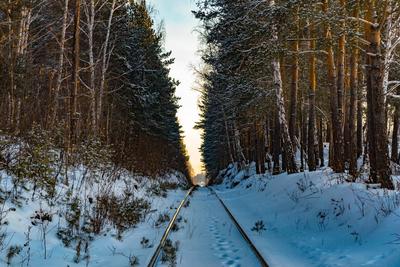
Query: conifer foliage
x,y
91,69
283,79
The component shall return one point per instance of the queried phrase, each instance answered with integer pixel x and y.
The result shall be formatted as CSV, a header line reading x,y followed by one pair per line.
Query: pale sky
x,y
182,40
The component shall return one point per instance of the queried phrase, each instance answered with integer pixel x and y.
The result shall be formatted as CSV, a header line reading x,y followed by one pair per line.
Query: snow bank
x,y
107,248
316,218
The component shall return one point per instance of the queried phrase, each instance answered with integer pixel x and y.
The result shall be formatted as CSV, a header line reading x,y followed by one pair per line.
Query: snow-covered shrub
x,y
42,219
66,236
338,207
387,203
145,242
160,188
93,154
322,217
162,218
133,261
187,203
169,251
73,214
175,227
121,212
12,252
259,226
32,160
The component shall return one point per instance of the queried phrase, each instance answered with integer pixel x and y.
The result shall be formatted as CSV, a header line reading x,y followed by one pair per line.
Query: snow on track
x,y
209,237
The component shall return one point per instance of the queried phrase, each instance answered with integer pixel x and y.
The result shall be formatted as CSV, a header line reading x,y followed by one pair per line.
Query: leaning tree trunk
x,y
280,104
377,127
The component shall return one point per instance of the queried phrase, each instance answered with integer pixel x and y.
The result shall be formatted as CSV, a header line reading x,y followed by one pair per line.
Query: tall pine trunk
x,y
294,88
280,104
353,102
321,143
276,145
312,165
337,159
377,128
360,118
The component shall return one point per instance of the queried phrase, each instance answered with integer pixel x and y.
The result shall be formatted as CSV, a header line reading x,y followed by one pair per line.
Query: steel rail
x,y
156,255
260,258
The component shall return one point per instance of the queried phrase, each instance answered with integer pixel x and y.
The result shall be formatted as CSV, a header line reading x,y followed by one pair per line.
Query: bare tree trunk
x,y
360,119
104,65
54,107
20,53
276,145
240,156
90,14
302,132
336,161
280,103
261,147
294,88
353,102
341,73
23,36
312,166
76,63
228,139
321,143
377,133
11,94
331,148
395,133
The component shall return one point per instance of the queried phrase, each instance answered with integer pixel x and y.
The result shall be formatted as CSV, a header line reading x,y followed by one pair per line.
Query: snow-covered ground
x,y
207,236
105,249
315,218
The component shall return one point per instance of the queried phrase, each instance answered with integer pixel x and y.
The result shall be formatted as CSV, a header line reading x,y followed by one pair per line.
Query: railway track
x,y
253,248
156,255
155,258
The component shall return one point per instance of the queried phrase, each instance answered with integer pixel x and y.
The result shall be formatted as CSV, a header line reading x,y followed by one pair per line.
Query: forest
x,y
286,78
298,120
90,73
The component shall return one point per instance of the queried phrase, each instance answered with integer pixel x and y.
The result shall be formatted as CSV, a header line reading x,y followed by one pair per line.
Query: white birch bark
x,y
91,15
104,65
60,64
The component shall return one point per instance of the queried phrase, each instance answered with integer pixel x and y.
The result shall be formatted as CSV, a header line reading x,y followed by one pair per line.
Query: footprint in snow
x,y
224,248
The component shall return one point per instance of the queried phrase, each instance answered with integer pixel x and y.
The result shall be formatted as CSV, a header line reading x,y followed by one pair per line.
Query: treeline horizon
x,y
284,77
91,71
